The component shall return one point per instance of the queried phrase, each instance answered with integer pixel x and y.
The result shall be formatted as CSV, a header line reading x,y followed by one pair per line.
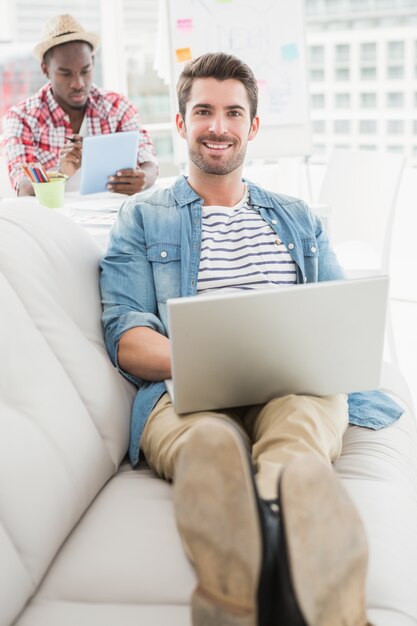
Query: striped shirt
x,y
239,250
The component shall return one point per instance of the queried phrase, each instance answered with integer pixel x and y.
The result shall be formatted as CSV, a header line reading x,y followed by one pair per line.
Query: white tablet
x,y
104,155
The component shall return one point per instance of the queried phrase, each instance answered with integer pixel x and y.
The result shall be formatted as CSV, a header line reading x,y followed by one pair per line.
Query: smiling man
x,y
217,143
48,128
272,534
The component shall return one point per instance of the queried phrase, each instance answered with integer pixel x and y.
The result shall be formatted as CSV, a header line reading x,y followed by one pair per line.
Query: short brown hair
x,y
220,66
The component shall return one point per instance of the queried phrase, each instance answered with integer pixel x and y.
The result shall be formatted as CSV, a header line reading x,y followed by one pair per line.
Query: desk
x,y
95,212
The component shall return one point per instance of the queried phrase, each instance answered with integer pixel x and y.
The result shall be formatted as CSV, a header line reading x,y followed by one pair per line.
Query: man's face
x,y
217,125
70,70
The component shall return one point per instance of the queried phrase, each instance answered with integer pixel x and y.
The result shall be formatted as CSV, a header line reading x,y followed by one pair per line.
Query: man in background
x,y
48,127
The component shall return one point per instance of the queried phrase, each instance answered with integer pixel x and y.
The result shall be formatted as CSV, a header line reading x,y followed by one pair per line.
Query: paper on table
x,y
99,202
96,220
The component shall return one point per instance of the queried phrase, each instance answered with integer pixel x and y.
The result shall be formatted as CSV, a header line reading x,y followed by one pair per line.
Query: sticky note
x,y
183,54
185,24
289,52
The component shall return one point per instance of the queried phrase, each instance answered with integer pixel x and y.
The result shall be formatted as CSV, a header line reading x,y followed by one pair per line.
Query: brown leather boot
x,y
323,549
218,517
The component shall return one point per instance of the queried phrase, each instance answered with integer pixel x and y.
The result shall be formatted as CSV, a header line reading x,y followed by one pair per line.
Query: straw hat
x,y
62,29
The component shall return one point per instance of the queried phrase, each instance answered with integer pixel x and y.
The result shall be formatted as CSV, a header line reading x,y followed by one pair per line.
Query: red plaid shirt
x,y
35,130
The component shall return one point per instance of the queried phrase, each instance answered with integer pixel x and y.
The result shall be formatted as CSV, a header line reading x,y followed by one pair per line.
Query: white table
x,y
95,212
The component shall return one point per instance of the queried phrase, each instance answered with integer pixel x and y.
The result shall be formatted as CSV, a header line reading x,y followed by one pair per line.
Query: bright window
x,y
342,100
395,99
317,101
342,127
395,127
368,100
368,52
367,127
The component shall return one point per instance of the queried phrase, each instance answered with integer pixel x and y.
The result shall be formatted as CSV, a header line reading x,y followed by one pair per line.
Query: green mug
x,y
51,194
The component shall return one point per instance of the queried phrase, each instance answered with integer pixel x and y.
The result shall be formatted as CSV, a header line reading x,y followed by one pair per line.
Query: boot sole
x,y
217,516
325,544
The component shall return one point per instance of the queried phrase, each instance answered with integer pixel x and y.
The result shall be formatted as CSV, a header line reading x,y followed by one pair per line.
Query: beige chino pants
x,y
274,433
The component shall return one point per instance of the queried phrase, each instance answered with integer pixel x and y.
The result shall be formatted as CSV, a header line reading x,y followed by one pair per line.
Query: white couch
x,y
86,540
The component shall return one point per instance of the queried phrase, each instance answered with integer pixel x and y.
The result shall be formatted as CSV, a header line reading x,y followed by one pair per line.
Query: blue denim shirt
x,y
154,255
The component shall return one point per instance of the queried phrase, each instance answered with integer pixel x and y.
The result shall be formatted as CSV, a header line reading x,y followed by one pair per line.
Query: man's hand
x,y
133,181
128,181
70,156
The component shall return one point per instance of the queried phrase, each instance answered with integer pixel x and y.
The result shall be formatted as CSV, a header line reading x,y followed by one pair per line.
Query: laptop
x,y
237,349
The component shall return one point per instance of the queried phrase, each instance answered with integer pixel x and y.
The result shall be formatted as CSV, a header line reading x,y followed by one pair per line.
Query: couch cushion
x,y
379,469
64,409
123,564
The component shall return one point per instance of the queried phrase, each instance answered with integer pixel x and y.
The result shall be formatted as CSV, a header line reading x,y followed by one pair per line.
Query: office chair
x,y
361,188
